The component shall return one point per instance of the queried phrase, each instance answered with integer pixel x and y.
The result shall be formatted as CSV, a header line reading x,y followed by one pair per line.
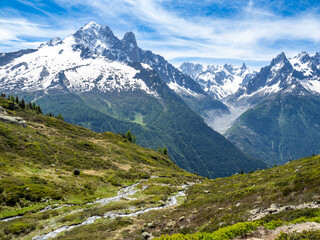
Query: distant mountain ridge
x,y
219,81
274,114
282,122
298,76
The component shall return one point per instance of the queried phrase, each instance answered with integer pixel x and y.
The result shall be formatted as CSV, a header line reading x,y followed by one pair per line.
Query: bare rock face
x,y
15,120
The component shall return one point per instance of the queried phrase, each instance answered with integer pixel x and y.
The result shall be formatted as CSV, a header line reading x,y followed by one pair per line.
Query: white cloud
x,y
246,36
253,34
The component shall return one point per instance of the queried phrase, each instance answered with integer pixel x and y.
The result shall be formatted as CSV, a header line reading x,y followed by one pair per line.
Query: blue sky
x,y
208,31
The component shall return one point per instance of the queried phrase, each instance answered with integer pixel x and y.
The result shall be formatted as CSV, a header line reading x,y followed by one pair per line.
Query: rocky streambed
x,y
126,192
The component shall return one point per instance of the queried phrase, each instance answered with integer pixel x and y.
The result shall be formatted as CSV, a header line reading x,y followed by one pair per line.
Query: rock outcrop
x,y
15,120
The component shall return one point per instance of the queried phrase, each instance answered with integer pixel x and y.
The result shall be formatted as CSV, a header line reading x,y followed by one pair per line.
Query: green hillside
x,y
37,166
40,187
280,129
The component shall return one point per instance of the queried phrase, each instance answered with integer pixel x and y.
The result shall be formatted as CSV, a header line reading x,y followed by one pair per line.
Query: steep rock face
x,y
98,81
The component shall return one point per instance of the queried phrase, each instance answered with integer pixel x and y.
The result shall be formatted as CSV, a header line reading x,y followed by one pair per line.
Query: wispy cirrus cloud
x,y
249,30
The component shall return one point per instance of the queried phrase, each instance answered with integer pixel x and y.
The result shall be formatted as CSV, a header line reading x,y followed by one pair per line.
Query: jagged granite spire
x,y
129,44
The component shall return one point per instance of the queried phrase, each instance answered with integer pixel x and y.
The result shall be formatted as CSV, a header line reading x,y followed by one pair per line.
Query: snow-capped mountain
x,y
299,75
219,81
283,99
94,58
58,65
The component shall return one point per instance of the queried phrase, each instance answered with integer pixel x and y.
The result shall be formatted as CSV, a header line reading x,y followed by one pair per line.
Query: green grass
x,y
305,235
37,165
138,118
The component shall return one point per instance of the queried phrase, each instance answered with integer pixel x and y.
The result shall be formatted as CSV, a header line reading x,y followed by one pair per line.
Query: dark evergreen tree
x,y
165,150
23,104
129,135
39,110
17,99
134,139
34,106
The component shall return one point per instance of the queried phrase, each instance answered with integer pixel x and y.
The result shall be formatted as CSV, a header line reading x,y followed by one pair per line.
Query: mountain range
x,y
101,82
219,81
274,112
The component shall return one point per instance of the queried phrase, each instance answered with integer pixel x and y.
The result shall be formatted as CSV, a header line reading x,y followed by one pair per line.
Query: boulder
x,y
146,236
14,120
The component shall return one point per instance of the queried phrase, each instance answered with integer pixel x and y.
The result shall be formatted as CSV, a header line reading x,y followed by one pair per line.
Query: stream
x,y
122,193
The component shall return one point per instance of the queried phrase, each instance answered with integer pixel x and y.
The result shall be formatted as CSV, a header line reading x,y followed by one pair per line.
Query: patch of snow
x,y
146,66
266,90
89,25
180,90
223,81
311,85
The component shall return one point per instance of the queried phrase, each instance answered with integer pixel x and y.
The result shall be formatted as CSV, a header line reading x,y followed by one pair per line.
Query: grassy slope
x,y
226,201
37,164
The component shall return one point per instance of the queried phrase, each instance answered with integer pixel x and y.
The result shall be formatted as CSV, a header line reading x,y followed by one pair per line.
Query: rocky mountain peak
x,y
129,37
93,35
191,69
55,41
304,57
228,67
244,66
281,58
280,64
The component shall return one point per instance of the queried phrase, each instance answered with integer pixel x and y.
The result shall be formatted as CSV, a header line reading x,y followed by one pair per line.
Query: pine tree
x,y
23,104
129,136
12,98
159,150
134,139
165,150
34,106
17,99
39,110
